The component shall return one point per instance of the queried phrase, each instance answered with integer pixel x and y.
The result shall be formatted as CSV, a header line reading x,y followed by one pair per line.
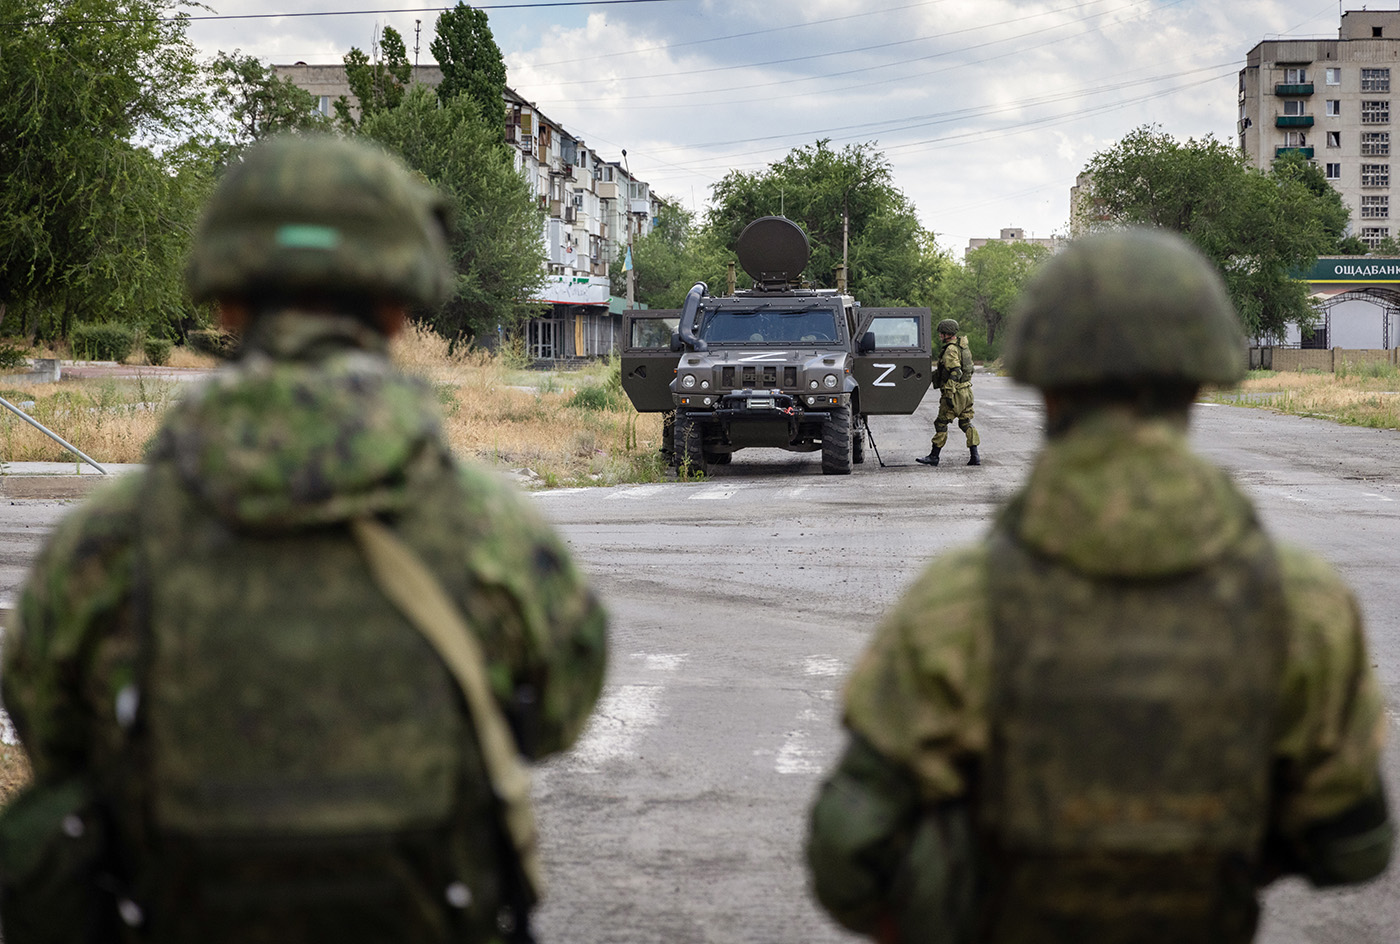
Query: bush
x,y
11,356
157,350
102,342
212,341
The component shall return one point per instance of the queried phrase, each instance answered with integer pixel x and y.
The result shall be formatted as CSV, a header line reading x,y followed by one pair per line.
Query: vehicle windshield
x,y
766,326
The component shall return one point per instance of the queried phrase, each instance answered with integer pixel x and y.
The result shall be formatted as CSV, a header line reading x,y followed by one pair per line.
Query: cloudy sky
x,y
987,109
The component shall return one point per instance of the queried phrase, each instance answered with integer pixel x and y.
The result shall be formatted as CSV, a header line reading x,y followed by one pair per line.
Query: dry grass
x,y
1366,396
567,428
14,771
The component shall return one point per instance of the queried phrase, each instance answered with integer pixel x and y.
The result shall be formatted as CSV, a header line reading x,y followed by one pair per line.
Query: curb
x,y
50,486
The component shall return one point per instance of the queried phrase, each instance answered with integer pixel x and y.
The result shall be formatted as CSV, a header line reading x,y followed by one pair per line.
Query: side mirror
x,y
867,342
676,342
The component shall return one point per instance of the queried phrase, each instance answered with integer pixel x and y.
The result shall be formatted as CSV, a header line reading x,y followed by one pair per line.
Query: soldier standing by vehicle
x,y
1128,709
276,686
952,375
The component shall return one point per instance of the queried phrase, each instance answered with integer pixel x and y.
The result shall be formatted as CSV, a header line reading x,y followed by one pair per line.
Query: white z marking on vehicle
x,y
766,356
880,380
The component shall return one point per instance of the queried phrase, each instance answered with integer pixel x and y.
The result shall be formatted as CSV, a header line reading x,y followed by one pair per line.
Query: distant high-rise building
x,y
1330,100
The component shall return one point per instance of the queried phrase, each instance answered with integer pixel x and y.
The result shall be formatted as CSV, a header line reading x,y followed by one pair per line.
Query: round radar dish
x,y
773,249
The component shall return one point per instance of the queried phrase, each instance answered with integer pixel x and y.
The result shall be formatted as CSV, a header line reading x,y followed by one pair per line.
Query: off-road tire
x,y
690,448
836,442
857,442
668,438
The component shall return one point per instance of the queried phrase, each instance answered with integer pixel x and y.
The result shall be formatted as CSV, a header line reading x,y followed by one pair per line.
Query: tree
x,y
838,197
256,102
95,219
981,293
470,60
671,258
378,83
1258,227
495,238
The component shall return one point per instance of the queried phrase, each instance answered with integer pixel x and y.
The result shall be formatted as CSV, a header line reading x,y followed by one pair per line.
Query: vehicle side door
x,y
894,375
648,363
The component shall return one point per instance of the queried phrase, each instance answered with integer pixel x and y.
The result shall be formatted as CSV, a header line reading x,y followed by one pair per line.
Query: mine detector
x,y
780,366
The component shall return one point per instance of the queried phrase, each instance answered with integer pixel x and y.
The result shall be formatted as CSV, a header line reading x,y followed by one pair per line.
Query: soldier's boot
x,y
973,458
931,458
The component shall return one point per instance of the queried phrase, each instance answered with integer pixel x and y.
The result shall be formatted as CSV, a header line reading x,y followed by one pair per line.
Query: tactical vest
x,y
309,769
1127,786
965,352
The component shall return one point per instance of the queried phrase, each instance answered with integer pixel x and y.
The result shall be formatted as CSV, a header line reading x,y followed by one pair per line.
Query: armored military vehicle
x,y
778,366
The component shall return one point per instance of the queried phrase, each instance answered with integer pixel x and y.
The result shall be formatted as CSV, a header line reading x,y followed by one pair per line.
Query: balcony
x,y
1293,121
1305,151
1287,88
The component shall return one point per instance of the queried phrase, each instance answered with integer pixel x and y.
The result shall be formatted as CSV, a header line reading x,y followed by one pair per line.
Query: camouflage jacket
x,y
1112,498
948,366
311,427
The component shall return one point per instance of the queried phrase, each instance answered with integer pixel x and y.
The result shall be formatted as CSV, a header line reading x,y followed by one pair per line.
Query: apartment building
x,y
1014,234
592,208
1330,100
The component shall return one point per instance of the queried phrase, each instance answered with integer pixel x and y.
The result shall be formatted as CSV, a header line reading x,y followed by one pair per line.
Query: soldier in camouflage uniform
x,y
224,664
952,375
1128,709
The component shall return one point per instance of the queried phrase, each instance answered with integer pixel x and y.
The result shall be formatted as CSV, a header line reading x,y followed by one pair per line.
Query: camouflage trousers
x,y
955,404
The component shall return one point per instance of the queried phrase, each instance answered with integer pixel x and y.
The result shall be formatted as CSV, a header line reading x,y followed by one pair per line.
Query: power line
x,y
113,21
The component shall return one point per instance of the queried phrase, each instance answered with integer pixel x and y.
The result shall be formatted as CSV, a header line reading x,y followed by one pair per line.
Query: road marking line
x,y
795,492
621,717
822,666
797,756
635,491
662,661
716,493
1377,495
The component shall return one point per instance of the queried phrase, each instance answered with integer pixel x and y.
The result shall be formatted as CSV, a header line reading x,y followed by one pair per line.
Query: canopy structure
x,y
1336,279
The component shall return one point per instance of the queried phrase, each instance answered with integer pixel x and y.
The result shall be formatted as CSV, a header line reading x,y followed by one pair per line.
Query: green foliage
x,y
12,357
1257,226
257,102
470,59
515,354
102,342
1373,370
157,350
980,293
495,236
608,395
893,261
670,259
378,83
212,341
95,214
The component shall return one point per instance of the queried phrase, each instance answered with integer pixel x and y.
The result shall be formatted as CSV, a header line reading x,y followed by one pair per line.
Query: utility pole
x,y
417,31
631,266
845,241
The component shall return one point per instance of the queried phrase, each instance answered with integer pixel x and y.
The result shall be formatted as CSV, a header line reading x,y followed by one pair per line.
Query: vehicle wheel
x,y
857,442
668,438
690,445
836,442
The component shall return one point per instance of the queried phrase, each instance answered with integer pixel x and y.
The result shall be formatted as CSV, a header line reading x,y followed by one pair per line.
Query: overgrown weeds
x,y
568,428
1356,395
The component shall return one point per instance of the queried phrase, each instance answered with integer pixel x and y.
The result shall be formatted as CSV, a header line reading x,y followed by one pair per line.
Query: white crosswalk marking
x,y
715,493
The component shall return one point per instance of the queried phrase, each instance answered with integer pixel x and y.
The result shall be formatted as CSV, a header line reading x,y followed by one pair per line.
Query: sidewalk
x,y
55,480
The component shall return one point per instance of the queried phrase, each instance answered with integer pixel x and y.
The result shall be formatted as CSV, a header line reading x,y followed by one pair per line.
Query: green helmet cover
x,y
947,326
1129,307
320,213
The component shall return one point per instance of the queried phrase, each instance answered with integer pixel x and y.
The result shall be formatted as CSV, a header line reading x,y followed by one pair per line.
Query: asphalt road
x,y
738,606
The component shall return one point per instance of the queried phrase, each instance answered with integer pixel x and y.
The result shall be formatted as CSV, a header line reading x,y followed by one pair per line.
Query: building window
x,y
1295,76
1334,108
323,105
1334,139
1334,76
1375,144
1375,80
1372,235
1375,113
1295,139
1296,108
1375,208
1376,32
1375,175
1334,171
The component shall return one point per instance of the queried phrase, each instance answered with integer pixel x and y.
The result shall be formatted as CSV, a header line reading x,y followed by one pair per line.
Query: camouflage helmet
x,y
947,326
1133,306
319,213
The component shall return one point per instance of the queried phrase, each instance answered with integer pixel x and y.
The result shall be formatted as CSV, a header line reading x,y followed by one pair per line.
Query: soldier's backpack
x,y
966,354
309,770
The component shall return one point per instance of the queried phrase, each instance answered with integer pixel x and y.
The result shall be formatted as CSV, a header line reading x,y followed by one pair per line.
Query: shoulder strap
x,y
416,592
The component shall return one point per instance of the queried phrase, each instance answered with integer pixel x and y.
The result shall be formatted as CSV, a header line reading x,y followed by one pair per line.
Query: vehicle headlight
x,y
688,381
704,385
829,380
813,385
811,401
